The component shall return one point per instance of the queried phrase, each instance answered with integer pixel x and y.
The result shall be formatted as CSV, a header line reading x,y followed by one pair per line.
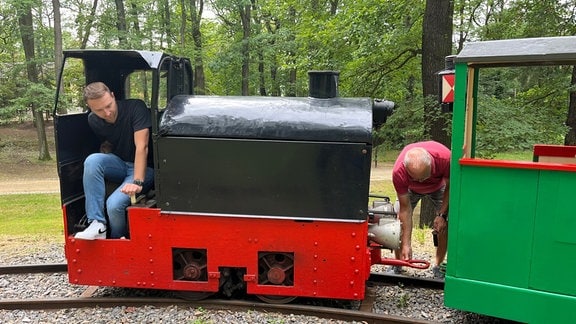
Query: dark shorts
x,y
435,197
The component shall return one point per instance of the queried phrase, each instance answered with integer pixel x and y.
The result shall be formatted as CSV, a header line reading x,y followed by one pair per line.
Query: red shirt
x,y
440,169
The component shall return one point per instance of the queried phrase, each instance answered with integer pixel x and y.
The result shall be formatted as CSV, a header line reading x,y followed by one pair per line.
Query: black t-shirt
x,y
133,115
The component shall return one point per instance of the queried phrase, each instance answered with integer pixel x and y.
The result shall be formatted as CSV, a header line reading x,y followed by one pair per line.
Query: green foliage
x,y
501,128
375,44
403,300
517,108
406,125
35,95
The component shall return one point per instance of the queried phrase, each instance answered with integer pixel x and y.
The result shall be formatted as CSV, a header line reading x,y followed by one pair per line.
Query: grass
x,y
31,214
383,188
382,155
514,156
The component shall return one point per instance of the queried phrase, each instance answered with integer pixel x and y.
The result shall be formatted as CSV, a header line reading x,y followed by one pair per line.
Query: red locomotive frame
x,y
330,259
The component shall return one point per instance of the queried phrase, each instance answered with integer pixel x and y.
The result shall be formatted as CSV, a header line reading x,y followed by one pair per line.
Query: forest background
x,y
388,49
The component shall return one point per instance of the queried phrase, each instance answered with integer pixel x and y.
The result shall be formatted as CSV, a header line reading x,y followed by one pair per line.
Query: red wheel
x,y
276,268
189,265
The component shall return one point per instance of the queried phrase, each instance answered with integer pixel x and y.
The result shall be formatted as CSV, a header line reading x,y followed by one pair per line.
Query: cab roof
x,y
127,59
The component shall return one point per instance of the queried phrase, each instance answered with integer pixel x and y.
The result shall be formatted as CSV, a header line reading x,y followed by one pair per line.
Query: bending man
x,y
422,170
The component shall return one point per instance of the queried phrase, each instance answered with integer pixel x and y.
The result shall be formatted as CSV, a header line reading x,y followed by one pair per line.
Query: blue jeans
x,y
99,167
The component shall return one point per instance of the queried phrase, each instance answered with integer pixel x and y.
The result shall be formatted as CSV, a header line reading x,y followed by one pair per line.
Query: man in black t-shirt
x,y
125,157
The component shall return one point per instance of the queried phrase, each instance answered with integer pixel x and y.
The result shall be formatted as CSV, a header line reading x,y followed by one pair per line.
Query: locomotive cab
x,y
129,75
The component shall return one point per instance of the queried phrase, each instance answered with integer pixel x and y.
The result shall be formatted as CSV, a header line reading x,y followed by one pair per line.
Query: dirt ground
x,y
21,172
20,169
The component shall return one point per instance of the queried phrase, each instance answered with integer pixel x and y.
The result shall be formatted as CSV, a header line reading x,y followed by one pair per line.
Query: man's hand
x,y
131,189
106,147
406,251
440,224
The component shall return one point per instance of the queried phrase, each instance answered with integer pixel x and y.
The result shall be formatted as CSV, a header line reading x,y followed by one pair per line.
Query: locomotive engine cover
x,y
301,158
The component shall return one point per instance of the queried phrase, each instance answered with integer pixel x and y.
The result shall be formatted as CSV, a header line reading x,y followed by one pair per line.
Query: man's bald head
x,y
418,163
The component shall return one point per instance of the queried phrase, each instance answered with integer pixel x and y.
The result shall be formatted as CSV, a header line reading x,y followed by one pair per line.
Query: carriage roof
x,y
523,51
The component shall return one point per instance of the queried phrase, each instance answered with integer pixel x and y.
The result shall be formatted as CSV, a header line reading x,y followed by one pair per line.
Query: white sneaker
x,y
96,230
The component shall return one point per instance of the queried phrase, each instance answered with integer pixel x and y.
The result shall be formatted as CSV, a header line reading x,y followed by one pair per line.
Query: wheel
x,y
276,268
190,265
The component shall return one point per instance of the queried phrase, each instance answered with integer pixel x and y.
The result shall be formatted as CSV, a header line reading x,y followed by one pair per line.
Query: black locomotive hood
x,y
269,118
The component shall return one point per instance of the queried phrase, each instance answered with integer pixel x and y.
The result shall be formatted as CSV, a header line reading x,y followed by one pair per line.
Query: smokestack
x,y
323,84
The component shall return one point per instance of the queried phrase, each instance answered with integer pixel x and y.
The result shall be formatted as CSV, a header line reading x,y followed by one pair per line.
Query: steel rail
x,y
318,311
33,268
420,282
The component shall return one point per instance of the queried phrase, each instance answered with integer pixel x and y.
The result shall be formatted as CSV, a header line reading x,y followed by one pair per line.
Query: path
x,y
29,186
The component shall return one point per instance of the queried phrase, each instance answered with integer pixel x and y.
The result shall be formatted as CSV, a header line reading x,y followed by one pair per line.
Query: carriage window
x,y
518,107
70,98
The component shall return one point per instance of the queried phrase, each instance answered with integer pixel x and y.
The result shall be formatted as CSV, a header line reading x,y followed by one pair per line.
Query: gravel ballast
x,y
421,304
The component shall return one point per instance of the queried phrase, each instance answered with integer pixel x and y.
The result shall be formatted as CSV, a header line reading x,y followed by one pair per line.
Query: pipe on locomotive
x,y
324,85
384,227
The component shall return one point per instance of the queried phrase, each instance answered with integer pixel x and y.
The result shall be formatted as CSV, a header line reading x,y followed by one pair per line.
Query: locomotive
x,y
266,196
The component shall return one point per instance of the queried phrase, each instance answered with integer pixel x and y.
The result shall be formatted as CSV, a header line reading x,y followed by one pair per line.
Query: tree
x,y
196,10
88,26
436,45
121,23
245,12
27,35
570,138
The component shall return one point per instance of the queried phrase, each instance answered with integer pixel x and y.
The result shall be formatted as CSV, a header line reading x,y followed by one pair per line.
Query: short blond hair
x,y
95,90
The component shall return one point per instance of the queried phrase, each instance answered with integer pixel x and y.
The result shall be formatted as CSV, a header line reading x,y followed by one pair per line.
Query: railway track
x,y
364,314
34,268
375,278
104,302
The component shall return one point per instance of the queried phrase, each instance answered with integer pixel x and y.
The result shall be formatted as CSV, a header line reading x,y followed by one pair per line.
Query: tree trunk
x,y
261,71
570,138
121,23
291,58
135,40
258,27
88,27
272,27
27,34
167,21
246,17
436,45
197,7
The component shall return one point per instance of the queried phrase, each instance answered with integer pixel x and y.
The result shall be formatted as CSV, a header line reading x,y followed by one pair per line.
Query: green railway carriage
x,y
512,234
